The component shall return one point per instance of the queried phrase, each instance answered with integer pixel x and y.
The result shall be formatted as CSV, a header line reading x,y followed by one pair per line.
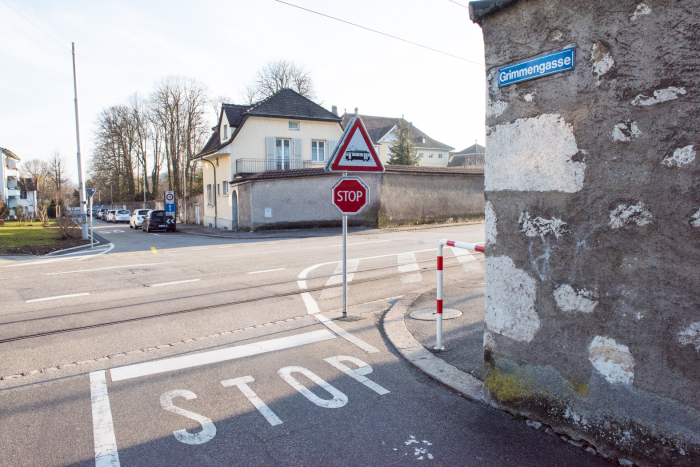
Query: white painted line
x,y
364,243
106,453
408,266
360,375
227,246
199,249
253,398
56,298
39,262
312,308
111,267
215,356
266,270
176,282
467,259
337,277
305,272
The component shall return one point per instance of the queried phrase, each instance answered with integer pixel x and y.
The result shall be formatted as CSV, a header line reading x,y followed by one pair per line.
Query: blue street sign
x,y
556,62
90,191
170,209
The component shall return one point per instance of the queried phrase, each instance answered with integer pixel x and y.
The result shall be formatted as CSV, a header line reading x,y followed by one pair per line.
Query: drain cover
x,y
430,315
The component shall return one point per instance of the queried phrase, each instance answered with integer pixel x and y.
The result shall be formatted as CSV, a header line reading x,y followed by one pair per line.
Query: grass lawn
x,y
33,238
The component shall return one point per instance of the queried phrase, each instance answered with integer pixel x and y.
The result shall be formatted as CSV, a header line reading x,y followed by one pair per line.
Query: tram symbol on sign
x,y
354,154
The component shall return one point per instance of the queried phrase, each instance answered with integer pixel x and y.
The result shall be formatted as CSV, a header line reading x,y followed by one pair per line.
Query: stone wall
x,y
400,196
593,224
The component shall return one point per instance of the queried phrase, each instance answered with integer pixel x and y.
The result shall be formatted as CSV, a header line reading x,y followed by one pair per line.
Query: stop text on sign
x,y
350,195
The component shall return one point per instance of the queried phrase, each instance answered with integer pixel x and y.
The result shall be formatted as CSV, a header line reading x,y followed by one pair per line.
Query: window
x,y
217,161
430,156
420,155
22,194
294,126
225,131
318,151
225,188
378,148
282,154
218,189
210,198
439,156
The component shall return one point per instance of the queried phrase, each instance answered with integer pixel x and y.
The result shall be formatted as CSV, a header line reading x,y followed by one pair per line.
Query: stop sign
x,y
350,195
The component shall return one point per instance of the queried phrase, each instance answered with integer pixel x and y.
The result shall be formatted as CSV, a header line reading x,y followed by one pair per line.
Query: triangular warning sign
x,y
355,151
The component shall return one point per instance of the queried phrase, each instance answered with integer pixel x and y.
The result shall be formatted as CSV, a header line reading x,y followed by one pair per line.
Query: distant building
x,y
9,179
285,131
473,156
432,153
27,195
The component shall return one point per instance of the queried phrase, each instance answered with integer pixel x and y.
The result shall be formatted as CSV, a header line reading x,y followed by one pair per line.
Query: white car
x,y
122,215
137,218
109,217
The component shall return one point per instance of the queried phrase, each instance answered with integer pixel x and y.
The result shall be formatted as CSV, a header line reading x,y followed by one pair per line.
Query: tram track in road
x,y
198,308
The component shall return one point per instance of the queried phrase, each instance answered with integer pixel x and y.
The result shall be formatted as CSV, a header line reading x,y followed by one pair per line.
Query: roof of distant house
x,y
478,10
27,184
378,127
320,171
473,149
9,153
285,103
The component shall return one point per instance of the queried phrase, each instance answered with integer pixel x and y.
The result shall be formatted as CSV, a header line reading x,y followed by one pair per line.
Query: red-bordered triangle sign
x,y
355,151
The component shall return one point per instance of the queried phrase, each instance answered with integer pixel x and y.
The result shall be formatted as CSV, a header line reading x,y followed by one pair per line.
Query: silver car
x,y
122,215
109,217
137,218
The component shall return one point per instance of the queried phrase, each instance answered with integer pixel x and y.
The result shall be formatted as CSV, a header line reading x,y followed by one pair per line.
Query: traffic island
x,y
23,238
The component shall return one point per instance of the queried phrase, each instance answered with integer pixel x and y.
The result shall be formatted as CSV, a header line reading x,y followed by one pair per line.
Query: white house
x,y
27,195
431,153
284,131
9,179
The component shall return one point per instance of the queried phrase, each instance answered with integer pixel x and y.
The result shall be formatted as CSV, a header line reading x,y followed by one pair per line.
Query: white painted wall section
x,y
533,154
612,360
491,224
510,300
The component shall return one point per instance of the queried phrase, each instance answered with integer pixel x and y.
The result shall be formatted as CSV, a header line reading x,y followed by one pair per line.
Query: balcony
x,y
13,193
253,166
11,172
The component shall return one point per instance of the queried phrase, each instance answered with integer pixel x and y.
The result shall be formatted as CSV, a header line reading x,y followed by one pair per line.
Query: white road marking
x,y
339,399
253,398
215,356
312,309
364,243
106,454
337,279
111,267
266,270
467,259
57,297
359,375
176,282
227,246
44,261
208,429
199,249
408,264
302,275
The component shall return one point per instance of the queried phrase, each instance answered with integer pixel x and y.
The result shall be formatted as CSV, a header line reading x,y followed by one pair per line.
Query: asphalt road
x,y
172,349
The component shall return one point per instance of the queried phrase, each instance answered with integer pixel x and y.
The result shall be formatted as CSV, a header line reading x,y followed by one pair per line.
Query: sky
x,y
127,47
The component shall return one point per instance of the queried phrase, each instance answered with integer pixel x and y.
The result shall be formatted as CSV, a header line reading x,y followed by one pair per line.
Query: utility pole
x,y
81,175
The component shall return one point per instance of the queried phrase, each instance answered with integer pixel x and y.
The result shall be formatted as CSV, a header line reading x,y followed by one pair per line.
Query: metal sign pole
x,y
345,261
92,231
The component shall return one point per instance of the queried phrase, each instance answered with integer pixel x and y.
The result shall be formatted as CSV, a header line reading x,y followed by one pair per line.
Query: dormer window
x,y
422,139
294,126
225,131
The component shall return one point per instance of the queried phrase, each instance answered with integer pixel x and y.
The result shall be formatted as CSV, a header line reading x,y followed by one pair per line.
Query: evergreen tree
x,y
402,152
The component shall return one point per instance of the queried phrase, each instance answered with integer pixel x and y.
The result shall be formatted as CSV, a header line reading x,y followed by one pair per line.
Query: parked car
x,y
137,218
122,215
156,220
110,215
101,214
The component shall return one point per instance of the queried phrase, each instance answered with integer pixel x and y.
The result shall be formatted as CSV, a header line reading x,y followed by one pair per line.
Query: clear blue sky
x,y
125,47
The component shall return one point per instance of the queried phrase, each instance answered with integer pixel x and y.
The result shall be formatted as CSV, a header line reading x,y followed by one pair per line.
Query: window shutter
x,y
297,148
270,147
331,148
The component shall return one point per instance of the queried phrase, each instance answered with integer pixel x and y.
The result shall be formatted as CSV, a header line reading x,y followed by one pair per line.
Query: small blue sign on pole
x,y
556,62
170,209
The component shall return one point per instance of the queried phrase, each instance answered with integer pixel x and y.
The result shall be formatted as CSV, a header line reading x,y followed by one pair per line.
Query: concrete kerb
x,y
413,351
98,241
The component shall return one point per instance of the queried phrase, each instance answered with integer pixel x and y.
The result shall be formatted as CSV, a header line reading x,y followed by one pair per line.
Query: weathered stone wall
x,y
593,224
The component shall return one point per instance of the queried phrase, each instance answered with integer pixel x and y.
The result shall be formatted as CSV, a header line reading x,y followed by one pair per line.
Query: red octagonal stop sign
x,y
350,195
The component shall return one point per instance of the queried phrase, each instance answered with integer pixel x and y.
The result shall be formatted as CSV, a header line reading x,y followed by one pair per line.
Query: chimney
x,y
334,109
356,111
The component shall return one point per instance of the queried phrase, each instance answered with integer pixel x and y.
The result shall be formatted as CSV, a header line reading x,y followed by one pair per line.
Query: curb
x,y
98,241
413,351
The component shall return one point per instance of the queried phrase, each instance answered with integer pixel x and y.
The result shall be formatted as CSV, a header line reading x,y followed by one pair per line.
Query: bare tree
x,y
277,75
57,176
39,171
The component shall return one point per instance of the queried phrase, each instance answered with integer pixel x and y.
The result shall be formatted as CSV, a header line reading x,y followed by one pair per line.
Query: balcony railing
x,y
13,193
252,166
12,172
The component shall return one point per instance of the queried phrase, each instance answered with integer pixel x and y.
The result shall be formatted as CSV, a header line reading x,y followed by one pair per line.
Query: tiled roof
x,y
285,103
320,171
378,127
480,9
27,184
